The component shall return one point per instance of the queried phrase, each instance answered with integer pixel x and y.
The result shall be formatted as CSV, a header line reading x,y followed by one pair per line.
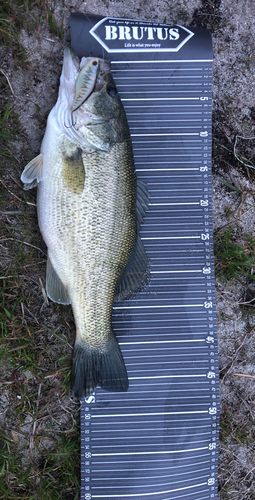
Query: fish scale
x,y
83,241
88,217
159,440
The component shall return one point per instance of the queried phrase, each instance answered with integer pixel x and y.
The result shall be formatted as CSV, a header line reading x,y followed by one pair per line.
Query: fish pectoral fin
x,y
32,173
96,366
142,200
55,289
136,273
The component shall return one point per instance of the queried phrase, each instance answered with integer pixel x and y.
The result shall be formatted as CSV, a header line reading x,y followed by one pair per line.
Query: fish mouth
x,y
72,123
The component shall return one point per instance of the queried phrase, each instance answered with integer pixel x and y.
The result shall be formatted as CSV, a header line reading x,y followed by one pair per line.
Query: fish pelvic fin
x,y
33,172
96,366
55,289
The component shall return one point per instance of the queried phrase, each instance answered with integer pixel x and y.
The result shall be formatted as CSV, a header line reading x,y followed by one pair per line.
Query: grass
x,y
53,25
19,14
233,260
35,358
35,365
208,15
39,427
39,421
230,429
57,479
236,436
53,476
8,129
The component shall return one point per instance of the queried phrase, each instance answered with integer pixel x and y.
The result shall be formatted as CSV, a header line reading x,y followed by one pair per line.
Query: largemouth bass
x,y
89,211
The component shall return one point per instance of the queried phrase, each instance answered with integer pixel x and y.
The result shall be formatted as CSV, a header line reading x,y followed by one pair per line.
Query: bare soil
x,y
35,379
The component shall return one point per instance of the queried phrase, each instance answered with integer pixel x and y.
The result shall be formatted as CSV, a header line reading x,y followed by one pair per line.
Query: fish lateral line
x,y
73,222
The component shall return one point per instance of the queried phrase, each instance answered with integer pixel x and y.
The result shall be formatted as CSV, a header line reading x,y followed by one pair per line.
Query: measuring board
x,y
159,439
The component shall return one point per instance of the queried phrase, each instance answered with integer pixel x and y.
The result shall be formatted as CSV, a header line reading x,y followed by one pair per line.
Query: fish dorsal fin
x,y
32,173
136,273
142,201
55,289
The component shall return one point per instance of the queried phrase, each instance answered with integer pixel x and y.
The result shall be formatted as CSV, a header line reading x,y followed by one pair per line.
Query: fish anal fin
x,y
32,173
136,273
55,289
95,366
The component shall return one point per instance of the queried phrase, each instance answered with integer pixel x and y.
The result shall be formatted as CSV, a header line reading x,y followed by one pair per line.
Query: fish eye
x,y
94,63
112,91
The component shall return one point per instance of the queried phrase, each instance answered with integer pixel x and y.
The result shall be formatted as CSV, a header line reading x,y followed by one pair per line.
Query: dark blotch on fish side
x,y
73,171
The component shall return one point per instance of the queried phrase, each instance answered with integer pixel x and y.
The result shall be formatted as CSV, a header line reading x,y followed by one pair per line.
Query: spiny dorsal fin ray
x,y
136,274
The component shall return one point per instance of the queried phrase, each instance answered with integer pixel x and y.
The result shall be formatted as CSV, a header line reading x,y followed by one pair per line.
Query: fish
x,y
90,207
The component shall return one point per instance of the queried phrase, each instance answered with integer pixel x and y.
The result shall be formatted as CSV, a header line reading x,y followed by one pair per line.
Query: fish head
x,y
101,118
89,110
104,101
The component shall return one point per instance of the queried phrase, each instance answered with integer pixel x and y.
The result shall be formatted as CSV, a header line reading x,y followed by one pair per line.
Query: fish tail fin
x,y
95,366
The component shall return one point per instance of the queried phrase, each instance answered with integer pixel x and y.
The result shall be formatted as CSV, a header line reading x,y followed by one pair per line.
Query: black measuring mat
x,y
159,440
